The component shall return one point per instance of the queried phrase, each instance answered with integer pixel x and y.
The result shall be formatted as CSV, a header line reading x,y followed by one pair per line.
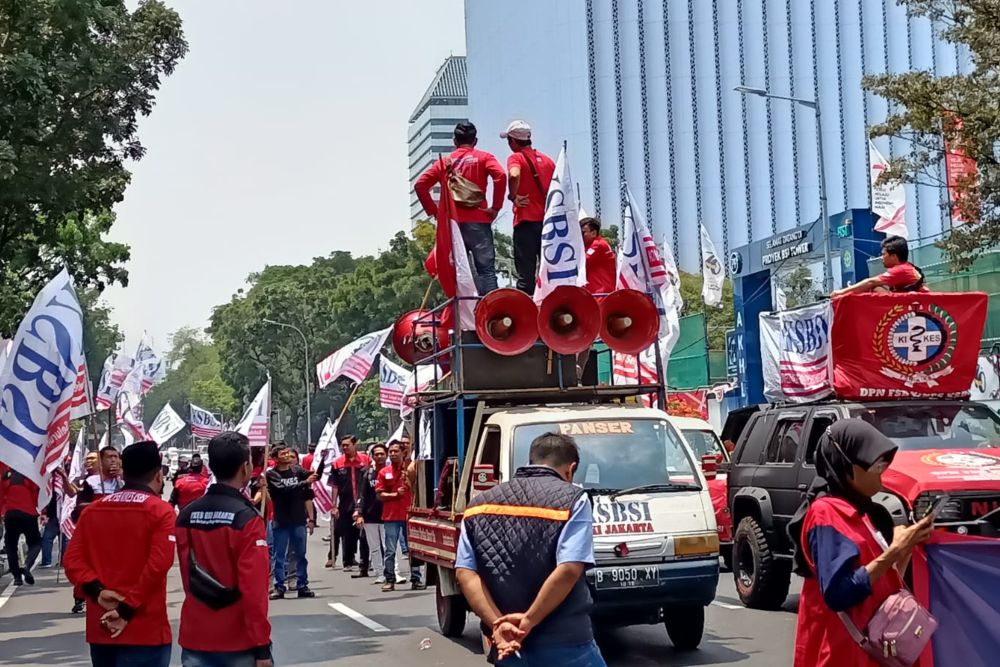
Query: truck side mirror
x,y
710,466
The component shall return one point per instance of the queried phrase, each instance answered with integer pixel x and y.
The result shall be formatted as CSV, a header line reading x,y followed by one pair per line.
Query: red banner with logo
x,y
913,345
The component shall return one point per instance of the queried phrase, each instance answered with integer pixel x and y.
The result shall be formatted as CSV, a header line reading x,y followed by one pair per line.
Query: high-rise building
x,y
444,105
643,92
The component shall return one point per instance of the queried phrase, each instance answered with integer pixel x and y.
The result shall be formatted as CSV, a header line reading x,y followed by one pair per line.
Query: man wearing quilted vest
x,y
524,547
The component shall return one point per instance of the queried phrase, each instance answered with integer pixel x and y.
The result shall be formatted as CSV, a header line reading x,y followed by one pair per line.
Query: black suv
x,y
773,465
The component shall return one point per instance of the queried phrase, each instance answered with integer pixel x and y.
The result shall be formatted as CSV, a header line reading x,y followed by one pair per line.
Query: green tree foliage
x,y
799,287
193,376
719,319
74,79
101,336
962,110
333,301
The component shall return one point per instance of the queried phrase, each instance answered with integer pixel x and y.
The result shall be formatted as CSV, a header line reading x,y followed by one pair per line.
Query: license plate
x,y
627,577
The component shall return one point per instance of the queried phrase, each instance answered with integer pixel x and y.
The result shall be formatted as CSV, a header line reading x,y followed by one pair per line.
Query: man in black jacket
x,y
368,510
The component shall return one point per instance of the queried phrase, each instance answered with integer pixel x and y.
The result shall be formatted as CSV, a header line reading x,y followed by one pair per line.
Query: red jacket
x,y
17,492
189,488
125,543
231,545
475,165
601,267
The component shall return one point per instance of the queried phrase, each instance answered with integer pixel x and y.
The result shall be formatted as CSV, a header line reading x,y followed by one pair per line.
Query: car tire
x,y
451,612
685,627
762,581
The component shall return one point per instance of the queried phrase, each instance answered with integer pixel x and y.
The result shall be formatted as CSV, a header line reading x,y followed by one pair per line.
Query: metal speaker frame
x,y
569,319
629,321
507,321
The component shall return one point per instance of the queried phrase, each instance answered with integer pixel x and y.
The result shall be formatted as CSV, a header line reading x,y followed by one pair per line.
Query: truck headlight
x,y
701,544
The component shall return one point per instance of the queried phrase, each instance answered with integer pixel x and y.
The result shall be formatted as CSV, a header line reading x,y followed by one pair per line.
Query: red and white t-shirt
x,y
528,186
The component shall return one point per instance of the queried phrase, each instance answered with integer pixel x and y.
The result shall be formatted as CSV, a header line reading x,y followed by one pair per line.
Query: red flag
x,y
444,271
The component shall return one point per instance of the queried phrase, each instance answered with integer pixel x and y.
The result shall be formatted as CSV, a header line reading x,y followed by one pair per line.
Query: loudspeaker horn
x,y
506,321
629,321
569,319
413,340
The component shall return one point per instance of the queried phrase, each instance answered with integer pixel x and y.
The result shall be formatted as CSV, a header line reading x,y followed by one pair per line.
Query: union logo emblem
x,y
915,343
960,460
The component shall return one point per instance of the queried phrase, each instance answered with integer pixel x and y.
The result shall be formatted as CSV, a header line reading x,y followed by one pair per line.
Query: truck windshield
x,y
704,442
617,454
935,426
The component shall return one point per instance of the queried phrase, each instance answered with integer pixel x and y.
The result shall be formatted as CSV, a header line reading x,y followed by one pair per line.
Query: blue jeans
x,y
393,531
191,658
478,238
114,655
416,569
296,536
582,655
49,536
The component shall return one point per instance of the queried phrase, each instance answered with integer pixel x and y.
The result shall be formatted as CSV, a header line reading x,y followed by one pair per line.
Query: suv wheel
x,y
685,627
762,580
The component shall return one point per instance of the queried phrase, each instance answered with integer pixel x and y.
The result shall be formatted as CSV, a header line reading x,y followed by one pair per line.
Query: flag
x,y
420,380
255,423
582,212
149,364
392,383
398,433
888,199
673,274
426,437
327,447
5,345
38,383
640,266
448,260
130,416
204,424
712,271
354,360
166,425
116,368
563,259
83,395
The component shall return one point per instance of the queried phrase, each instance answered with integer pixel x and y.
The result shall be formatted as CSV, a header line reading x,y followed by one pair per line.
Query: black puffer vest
x,y
514,529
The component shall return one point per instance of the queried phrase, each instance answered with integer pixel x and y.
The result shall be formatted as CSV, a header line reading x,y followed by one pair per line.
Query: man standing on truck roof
x,y
899,276
524,547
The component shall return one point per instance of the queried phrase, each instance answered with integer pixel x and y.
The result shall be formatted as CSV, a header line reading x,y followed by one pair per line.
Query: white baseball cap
x,y
518,129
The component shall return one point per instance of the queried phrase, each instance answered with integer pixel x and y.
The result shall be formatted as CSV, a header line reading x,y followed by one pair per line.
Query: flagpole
x,y
347,403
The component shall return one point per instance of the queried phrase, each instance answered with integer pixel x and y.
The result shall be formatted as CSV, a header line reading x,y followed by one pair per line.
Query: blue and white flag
x,y
204,424
563,260
38,382
149,364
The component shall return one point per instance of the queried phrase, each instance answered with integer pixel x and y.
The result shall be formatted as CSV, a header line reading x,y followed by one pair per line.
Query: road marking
x,y
6,594
360,618
727,606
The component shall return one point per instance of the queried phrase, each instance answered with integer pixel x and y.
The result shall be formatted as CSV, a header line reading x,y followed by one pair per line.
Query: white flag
x,y
166,425
256,419
673,274
149,364
426,440
712,270
327,447
204,424
888,199
640,266
116,367
582,212
465,284
563,261
392,381
780,299
38,383
354,360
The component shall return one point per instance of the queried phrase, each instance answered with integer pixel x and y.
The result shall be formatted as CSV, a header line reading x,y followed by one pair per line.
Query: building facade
x,y
443,105
643,93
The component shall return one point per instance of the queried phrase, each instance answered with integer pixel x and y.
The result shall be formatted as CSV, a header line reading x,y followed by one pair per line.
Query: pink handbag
x,y
898,632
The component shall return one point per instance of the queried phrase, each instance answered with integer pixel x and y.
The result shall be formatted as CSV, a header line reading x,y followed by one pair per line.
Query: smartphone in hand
x,y
936,507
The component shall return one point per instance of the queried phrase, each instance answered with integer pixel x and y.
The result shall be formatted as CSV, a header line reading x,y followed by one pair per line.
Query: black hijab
x,y
846,443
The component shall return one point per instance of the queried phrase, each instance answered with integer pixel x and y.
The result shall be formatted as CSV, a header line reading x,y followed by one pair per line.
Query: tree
x,y
101,337
719,319
74,79
962,111
799,287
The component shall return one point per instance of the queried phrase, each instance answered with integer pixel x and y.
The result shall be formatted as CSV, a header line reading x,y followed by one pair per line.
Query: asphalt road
x,y
36,628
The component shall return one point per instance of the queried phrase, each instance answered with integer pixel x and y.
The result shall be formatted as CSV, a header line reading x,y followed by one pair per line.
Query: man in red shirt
x,y
601,261
346,477
119,557
307,460
19,507
191,486
473,220
393,488
224,535
900,275
529,174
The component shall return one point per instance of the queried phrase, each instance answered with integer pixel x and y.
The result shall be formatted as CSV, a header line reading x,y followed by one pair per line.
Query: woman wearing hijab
x,y
846,548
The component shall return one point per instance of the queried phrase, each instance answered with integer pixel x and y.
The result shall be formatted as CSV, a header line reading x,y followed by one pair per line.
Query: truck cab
x,y
655,536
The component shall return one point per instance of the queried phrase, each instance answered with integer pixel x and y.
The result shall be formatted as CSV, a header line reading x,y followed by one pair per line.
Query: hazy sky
x,y
280,137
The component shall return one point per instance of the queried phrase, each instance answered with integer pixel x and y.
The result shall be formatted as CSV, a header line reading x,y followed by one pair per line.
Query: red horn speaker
x,y
414,340
629,321
506,321
569,319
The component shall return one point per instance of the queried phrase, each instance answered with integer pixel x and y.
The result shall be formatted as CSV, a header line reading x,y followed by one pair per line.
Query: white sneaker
x,y
379,580
401,580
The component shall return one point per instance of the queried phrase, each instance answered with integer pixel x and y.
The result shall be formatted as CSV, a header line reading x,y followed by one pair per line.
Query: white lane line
x,y
6,594
359,617
727,606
